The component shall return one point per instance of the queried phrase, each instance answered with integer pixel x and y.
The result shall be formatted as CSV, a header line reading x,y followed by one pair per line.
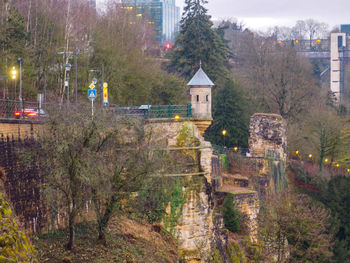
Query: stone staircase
x,y
235,184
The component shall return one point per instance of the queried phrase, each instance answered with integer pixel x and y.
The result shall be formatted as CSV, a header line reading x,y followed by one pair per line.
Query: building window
x,y
207,98
197,97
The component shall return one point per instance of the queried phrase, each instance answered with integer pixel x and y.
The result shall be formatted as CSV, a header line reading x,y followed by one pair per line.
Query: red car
x,y
30,114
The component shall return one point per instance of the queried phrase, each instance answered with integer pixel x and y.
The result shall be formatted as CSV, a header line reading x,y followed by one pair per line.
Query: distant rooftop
x,y
200,79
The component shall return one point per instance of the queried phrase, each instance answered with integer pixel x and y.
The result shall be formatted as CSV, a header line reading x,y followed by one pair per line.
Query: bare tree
x,y
315,29
299,30
126,160
293,229
276,78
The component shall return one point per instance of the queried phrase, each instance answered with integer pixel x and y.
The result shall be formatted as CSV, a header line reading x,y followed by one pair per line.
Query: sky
x,y
262,14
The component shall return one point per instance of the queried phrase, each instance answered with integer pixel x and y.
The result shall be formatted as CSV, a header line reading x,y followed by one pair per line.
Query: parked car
x,y
30,113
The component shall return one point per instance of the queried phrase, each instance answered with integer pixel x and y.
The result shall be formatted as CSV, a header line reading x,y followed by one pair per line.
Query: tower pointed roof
x,y
200,79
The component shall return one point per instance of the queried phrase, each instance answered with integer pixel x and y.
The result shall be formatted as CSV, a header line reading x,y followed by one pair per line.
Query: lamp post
x,y
224,132
14,77
20,61
67,69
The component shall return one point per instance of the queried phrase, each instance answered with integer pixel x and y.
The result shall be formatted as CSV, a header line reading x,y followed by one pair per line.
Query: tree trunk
x,y
71,232
103,222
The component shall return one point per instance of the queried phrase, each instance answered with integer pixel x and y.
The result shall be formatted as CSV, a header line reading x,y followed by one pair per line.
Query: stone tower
x,y
200,91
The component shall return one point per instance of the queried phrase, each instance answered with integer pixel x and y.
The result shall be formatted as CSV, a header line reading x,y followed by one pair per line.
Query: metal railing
x,y
156,111
246,152
8,107
169,111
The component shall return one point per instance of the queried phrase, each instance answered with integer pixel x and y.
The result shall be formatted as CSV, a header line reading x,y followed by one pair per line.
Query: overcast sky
x,y
261,14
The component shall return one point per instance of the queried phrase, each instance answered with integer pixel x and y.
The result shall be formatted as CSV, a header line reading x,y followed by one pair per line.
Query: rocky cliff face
x,y
195,228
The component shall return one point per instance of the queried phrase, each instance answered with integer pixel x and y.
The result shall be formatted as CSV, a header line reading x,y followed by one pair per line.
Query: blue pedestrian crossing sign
x,y
92,94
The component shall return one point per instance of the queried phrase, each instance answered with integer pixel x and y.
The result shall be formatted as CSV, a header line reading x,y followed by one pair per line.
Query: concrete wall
x,y
336,64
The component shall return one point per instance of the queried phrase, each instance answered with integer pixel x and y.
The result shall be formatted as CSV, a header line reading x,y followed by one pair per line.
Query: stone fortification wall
x,y
268,136
22,181
18,129
195,226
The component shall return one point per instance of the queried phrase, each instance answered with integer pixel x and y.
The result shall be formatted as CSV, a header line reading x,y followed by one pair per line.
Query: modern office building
x,y
345,29
163,14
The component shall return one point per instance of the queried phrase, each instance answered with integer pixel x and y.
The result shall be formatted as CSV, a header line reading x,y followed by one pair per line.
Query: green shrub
x,y
231,216
14,245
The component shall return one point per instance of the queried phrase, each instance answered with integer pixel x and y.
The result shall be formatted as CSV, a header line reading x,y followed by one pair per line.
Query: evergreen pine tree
x,y
198,41
229,114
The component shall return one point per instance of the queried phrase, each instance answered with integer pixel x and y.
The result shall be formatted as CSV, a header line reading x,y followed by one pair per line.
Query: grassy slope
x,y
128,241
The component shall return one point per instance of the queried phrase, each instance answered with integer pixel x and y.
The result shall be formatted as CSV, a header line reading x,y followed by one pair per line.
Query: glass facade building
x,y
345,29
163,14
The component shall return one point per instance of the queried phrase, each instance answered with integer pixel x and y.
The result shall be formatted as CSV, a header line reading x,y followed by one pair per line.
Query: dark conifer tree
x,y
229,114
198,41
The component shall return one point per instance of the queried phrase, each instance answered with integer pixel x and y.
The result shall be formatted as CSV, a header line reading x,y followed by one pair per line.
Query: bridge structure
x,y
336,50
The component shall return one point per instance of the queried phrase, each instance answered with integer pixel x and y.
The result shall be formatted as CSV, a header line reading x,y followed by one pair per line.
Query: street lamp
x,y
20,61
14,77
67,68
224,132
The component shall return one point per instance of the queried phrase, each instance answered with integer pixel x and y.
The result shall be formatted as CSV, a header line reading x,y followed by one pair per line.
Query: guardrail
x,y
169,111
156,111
8,107
246,152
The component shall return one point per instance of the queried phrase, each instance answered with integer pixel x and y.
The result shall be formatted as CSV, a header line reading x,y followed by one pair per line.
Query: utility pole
x,y
76,51
101,83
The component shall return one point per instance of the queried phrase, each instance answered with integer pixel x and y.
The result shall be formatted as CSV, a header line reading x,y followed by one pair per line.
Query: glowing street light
x,y
177,117
224,132
14,77
297,152
310,155
326,160
337,165
14,73
235,149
